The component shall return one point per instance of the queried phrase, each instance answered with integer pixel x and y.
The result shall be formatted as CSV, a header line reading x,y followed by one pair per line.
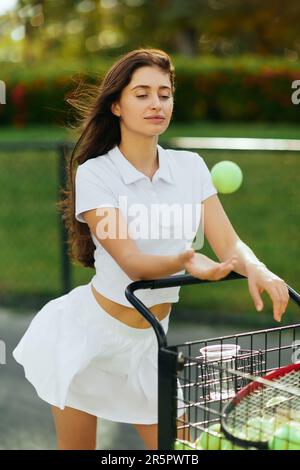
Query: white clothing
x,y
76,354
73,352
169,205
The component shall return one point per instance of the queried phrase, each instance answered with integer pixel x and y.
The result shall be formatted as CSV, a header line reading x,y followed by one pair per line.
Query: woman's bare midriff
x,y
130,316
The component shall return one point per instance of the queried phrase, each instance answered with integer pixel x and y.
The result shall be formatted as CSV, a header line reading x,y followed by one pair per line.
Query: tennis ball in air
x,y
226,176
287,437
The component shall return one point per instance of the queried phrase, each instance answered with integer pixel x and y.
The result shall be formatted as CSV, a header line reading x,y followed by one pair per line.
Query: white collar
x,y
130,173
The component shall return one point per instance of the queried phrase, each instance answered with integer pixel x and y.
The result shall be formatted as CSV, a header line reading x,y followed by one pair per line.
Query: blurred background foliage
x,y
237,57
209,88
235,62
85,28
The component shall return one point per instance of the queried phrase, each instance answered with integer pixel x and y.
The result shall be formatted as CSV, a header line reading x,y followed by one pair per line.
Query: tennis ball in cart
x,y
287,437
259,428
226,176
214,439
184,445
275,401
210,439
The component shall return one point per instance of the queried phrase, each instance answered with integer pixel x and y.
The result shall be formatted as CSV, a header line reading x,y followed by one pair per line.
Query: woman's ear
x,y
115,109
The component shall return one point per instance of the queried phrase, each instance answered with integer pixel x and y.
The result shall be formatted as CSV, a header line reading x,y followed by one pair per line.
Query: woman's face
x,y
138,103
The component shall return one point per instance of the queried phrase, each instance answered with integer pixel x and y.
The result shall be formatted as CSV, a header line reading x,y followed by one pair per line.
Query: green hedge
x,y
240,89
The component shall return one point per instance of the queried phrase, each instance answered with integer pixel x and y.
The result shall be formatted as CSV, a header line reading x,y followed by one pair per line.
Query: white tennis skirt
x,y
75,354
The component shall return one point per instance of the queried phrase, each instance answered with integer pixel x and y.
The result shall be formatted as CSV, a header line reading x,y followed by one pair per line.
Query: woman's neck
x,y
143,158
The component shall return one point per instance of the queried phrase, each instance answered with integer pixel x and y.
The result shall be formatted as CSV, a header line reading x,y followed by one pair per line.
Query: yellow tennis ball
x,y
183,445
287,437
259,428
226,176
209,441
213,439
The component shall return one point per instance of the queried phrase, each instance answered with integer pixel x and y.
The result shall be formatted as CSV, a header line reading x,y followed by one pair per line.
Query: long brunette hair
x,y
99,131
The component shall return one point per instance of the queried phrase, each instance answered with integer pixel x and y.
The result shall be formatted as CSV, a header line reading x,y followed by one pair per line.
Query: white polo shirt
x,y
163,214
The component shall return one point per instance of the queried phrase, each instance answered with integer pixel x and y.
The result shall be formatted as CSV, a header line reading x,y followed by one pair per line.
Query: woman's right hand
x,y
202,267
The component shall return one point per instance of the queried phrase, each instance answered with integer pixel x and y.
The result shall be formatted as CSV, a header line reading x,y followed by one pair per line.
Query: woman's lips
x,y
155,119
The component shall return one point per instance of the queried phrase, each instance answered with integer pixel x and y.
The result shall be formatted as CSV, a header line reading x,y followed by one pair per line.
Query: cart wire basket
x,y
231,396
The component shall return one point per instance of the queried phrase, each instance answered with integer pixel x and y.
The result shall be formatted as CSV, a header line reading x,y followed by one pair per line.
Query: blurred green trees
x,y
40,29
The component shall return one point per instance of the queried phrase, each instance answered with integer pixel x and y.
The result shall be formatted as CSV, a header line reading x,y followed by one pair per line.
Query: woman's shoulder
x,y
100,167
179,153
100,161
98,170
185,159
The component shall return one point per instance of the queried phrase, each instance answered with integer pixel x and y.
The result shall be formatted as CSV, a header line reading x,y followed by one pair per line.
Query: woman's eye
x,y
143,96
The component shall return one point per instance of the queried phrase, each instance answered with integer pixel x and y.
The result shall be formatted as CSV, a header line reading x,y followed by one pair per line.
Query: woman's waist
x,y
112,287
130,316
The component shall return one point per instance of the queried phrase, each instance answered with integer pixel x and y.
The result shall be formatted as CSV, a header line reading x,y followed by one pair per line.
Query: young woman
x,y
89,353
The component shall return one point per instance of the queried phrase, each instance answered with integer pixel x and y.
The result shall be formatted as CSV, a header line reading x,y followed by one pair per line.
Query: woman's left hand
x,y
260,279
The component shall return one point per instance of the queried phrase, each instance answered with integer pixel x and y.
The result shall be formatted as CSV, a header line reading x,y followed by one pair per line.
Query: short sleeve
x,y
91,192
204,179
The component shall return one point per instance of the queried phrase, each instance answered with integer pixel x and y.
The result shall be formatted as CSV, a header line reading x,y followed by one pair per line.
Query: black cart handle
x,y
171,281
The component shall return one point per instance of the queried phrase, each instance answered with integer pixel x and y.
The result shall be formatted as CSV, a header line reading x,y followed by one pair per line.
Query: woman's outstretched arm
x,y
110,228
226,243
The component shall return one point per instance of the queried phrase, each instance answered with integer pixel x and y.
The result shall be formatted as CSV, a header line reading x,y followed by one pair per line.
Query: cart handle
x,y
171,281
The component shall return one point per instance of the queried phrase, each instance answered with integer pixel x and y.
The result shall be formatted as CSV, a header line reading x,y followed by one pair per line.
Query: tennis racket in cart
x,y
236,392
266,413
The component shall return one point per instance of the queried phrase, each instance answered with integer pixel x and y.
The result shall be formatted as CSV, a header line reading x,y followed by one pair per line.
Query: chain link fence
x,y
34,266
